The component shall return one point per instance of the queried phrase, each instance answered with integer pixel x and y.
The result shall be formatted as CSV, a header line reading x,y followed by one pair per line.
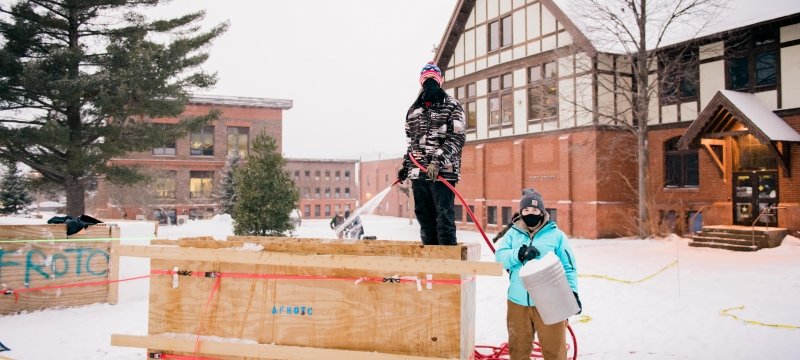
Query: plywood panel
x,y
36,261
333,310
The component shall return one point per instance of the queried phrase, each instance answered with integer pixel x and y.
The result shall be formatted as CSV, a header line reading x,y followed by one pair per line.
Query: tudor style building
x,y
538,90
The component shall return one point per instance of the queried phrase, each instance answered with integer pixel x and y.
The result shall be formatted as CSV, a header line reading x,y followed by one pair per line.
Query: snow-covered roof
x,y
599,26
761,116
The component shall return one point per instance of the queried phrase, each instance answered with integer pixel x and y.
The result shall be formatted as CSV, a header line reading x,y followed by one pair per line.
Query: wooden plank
x,y
352,247
378,263
33,262
113,268
258,351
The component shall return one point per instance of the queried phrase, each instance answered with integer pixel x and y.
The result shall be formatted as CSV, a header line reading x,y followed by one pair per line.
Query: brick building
x,y
325,186
375,177
187,173
537,90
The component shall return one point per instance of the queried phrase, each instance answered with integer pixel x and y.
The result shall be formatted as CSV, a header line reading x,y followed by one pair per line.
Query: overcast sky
x,y
350,66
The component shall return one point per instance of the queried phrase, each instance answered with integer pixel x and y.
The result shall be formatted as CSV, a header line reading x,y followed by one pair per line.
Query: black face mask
x,y
532,220
431,91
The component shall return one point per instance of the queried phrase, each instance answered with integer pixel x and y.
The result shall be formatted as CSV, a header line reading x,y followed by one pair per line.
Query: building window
x,y
202,142
316,193
346,193
752,60
327,193
678,76
501,100
506,214
165,184
316,210
327,210
459,210
466,95
337,193
200,183
238,141
166,149
500,33
316,175
491,215
306,192
471,209
542,93
307,174
307,210
680,166
336,175
347,175
327,175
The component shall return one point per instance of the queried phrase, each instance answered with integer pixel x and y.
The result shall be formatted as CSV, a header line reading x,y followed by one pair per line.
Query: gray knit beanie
x,y
531,197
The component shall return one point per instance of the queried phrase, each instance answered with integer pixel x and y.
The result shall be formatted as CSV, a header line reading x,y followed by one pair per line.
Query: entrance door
x,y
754,191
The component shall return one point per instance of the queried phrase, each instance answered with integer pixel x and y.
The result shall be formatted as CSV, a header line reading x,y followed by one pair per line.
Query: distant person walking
x,y
532,236
337,220
435,135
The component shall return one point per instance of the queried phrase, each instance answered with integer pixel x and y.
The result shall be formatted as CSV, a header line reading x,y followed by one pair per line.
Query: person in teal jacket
x,y
532,236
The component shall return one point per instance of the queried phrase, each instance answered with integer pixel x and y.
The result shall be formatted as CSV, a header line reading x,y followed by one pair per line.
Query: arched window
x,y
680,166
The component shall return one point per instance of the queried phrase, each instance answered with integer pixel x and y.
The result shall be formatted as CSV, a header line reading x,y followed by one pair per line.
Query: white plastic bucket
x,y
547,284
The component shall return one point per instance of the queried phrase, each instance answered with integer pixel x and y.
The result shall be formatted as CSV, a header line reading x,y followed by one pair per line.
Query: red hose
x,y
471,215
502,350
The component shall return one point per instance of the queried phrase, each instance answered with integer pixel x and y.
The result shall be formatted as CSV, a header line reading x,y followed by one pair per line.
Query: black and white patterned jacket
x,y
435,134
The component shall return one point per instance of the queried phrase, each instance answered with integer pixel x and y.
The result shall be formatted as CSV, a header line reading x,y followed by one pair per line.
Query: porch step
x,y
724,243
738,238
725,246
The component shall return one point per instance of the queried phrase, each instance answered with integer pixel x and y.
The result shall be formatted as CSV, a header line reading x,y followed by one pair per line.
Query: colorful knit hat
x,y
430,70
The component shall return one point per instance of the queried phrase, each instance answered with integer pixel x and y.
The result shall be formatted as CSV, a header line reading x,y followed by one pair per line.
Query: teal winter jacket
x,y
548,239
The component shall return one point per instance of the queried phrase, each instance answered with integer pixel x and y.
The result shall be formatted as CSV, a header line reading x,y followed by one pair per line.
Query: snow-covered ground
x,y
673,315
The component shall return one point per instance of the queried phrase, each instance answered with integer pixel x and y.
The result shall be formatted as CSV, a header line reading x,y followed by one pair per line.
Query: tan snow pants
x,y
523,322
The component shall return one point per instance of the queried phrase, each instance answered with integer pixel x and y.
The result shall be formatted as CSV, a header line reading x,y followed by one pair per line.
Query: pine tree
x,y
14,195
87,74
227,199
265,193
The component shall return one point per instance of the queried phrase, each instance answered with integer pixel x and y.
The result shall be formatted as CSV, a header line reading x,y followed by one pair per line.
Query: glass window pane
x,y
506,31
202,142
691,169
738,73
673,170
494,84
494,111
472,115
508,81
508,108
471,90
534,74
550,70
766,68
535,102
494,35
550,104
200,183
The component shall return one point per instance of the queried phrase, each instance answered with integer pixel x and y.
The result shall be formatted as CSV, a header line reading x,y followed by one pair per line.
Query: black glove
x,y
402,173
527,253
580,307
433,171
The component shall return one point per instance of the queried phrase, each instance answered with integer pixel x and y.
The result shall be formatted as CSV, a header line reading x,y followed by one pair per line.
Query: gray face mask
x,y
532,220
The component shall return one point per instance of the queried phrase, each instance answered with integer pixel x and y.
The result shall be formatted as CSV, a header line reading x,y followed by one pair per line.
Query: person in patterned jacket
x,y
435,135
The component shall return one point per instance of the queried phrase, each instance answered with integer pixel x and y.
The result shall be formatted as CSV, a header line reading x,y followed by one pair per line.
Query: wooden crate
x,y
329,313
43,256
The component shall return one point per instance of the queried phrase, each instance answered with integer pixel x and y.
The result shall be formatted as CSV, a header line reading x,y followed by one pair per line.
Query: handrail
x,y
753,233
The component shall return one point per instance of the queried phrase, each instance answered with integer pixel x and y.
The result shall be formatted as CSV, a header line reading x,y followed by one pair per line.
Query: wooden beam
x,y
722,134
261,351
376,263
721,165
113,268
